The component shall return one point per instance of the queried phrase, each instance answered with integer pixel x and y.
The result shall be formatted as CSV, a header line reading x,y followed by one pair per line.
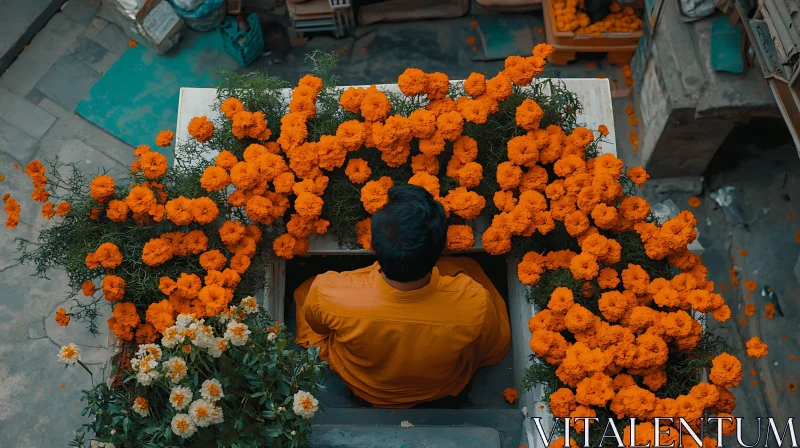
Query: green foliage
x,y
257,379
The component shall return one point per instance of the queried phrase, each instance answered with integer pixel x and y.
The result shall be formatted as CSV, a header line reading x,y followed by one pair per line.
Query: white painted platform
x,y
595,97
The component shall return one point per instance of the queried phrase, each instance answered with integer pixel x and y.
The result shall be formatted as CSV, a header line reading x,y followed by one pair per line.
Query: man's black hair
x,y
409,233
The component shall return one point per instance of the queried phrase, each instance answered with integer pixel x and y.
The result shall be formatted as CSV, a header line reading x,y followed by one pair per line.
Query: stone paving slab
x,y
25,115
93,54
21,21
16,143
44,50
113,39
81,11
68,81
355,436
71,126
37,411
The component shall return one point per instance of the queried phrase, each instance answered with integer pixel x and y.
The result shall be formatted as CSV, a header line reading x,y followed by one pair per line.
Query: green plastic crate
x,y
243,46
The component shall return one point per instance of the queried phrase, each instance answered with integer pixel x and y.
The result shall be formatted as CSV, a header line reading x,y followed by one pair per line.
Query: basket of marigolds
x,y
570,30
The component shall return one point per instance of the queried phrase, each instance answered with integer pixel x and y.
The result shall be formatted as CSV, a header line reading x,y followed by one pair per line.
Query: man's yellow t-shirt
x,y
399,349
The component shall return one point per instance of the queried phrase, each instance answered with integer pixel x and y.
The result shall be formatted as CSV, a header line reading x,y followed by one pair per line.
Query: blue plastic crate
x,y
243,46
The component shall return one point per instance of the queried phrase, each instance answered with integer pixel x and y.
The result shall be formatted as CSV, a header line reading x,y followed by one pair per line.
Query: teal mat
x,y
505,35
138,96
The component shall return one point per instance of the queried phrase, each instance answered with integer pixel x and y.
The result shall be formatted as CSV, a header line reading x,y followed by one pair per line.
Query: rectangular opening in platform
x,y
486,388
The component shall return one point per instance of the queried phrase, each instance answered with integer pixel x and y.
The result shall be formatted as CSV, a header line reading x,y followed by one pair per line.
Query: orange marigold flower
x,y
125,314
510,394
140,199
153,165
562,403
504,201
474,111
756,348
156,252
584,267
204,210
213,260
496,241
465,204
750,285
88,288
412,82
308,205
284,246
519,69
164,138
102,187
40,195
230,232
459,237
561,300
63,209
424,163
201,129
375,106
437,85
194,242
226,160
113,287
351,98
215,298
350,135
214,178
364,233
543,50
509,175
230,106
726,371
47,210
108,255
695,202
470,175
167,285
722,313
635,278
634,208
160,315
375,194
530,269
358,171
569,165
608,278
475,84
638,175
595,390
62,318
529,114
450,125
422,123
499,87
603,129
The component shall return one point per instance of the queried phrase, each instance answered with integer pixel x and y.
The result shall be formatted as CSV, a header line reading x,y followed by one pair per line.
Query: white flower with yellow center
x,y
211,390
272,336
183,321
146,369
216,415
201,412
172,337
69,354
203,335
249,305
141,407
237,333
218,347
175,369
226,315
305,405
183,426
151,349
180,397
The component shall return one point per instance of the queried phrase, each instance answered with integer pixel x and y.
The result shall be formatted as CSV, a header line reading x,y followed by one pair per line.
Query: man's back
x,y
396,348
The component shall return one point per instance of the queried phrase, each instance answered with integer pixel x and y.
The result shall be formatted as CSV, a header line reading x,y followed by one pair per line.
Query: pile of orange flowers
x,y
569,17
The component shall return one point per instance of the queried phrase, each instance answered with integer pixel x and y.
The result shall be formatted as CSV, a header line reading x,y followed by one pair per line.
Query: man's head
x,y
409,233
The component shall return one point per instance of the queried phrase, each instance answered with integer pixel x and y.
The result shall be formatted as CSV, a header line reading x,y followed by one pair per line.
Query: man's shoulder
x,y
358,278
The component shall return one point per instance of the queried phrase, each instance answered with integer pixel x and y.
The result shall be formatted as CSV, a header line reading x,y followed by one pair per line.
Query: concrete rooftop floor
x,y
37,120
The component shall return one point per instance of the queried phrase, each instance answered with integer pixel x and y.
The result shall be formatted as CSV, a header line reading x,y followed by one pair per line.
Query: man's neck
x,y
408,286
